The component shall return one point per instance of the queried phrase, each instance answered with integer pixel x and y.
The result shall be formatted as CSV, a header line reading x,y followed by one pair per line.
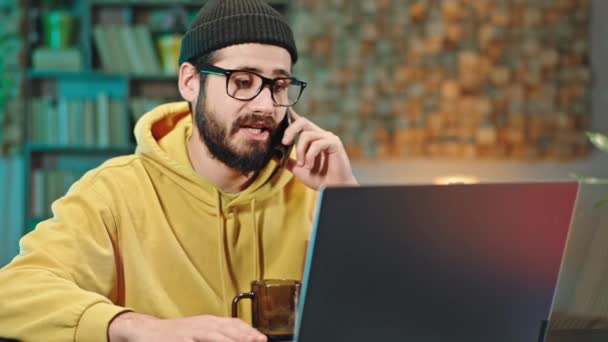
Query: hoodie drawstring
x,y
222,250
257,261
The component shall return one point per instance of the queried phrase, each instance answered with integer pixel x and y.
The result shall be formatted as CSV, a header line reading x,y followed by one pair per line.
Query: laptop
x,y
430,263
580,308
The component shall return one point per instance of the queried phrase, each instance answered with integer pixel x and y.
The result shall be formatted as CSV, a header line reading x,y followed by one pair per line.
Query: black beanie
x,y
222,23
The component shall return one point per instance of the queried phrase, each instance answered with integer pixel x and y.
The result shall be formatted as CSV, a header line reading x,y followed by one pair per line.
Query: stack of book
x,y
46,59
46,186
126,49
102,122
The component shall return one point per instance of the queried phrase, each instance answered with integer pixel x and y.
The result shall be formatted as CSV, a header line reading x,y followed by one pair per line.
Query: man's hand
x,y
134,327
321,157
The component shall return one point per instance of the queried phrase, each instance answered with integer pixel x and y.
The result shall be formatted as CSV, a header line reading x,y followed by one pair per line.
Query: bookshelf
x,y
84,95
11,75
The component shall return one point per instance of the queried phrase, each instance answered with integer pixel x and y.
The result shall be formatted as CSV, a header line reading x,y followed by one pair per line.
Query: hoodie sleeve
x,y
60,286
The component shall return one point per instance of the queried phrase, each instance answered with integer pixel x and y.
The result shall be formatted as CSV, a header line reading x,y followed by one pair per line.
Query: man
x,y
153,246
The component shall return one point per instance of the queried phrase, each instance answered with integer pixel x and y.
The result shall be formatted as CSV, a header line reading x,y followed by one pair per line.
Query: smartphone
x,y
282,152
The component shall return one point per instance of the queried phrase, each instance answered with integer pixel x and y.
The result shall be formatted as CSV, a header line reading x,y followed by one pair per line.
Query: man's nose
x,y
263,103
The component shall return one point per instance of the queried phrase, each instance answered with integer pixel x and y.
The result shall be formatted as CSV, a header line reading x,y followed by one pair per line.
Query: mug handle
x,y
235,302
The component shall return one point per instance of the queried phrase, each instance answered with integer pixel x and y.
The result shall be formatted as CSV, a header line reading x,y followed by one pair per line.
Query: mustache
x,y
254,119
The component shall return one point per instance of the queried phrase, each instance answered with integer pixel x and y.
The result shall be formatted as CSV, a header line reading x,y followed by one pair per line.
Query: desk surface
x,y
595,335
577,335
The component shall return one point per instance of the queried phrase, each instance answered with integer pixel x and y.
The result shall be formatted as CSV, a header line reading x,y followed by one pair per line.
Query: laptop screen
x,y
435,263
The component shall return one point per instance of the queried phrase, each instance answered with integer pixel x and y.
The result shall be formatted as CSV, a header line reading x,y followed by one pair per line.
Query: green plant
x,y
600,141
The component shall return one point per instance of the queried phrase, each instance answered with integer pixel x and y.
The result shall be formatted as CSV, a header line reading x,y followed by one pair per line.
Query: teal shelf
x,y
163,3
93,74
159,77
145,3
78,149
40,74
85,84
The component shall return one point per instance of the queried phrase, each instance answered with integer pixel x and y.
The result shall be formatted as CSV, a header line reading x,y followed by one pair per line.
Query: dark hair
x,y
208,58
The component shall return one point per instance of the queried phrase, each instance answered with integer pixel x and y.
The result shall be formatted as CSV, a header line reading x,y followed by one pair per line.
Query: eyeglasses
x,y
246,85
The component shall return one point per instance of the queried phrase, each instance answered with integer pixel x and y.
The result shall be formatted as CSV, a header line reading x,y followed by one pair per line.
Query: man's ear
x,y
188,82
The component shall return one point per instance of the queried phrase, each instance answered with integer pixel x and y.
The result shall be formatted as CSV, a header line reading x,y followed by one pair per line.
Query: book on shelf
x,y
146,46
119,123
76,126
50,189
130,49
52,125
68,59
47,185
63,124
141,105
126,49
116,44
37,206
103,122
89,129
104,51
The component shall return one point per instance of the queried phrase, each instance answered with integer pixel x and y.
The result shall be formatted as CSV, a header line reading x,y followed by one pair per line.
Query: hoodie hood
x,y
161,136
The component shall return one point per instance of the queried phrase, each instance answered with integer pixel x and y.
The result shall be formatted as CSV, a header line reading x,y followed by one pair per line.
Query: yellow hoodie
x,y
144,232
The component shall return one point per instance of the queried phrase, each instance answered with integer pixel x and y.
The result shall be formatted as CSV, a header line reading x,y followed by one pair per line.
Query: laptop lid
x,y
434,263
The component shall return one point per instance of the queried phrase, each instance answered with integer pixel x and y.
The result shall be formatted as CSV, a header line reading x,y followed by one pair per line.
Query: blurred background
x,y
420,91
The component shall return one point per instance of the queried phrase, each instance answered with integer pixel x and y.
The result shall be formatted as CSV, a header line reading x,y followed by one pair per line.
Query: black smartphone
x,y
282,152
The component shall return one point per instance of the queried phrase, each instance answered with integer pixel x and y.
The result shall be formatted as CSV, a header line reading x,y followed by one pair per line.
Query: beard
x,y
250,156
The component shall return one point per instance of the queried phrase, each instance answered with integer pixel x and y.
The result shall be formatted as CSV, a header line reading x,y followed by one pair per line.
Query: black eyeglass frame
x,y
211,69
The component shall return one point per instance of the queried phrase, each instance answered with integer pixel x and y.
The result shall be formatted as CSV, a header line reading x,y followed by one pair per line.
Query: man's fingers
x,y
306,138
314,151
238,330
294,129
317,144
311,144
299,126
214,336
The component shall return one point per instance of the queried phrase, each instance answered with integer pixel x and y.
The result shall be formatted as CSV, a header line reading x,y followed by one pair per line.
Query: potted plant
x,y
600,141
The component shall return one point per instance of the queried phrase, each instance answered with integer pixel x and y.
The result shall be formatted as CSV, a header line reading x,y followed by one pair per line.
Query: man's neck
x,y
213,170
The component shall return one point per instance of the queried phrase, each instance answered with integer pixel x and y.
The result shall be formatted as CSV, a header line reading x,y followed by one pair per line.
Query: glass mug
x,y
273,306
